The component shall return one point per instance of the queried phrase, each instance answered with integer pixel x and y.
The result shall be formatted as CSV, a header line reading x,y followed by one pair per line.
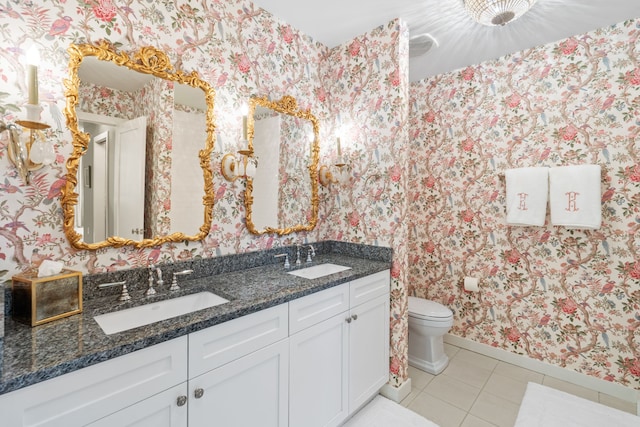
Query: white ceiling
x,y
461,41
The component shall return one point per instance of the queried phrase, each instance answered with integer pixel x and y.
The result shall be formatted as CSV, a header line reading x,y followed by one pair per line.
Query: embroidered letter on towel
x,y
527,191
575,196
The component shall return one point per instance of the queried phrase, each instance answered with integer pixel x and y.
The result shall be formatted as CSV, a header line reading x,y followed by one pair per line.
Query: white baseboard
x,y
602,386
397,394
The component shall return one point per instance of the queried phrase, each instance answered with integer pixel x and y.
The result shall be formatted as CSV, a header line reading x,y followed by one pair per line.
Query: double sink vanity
x,y
303,346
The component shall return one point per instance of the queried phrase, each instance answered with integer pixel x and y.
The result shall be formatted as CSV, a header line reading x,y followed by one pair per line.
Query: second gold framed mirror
x,y
282,198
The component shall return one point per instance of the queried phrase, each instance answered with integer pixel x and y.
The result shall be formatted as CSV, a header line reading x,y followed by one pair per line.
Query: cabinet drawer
x,y
85,395
367,288
220,344
315,308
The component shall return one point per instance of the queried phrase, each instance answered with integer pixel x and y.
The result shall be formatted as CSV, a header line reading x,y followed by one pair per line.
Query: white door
x,y
165,409
129,179
319,371
250,391
368,350
96,226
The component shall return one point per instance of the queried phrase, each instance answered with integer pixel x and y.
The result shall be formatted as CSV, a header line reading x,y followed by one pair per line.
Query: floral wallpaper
x,y
294,179
368,92
156,102
568,297
106,101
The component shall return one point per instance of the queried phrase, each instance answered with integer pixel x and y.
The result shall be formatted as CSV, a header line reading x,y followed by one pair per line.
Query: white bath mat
x,y
547,407
382,412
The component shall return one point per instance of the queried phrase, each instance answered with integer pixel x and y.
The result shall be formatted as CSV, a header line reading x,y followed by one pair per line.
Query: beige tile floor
x,y
478,391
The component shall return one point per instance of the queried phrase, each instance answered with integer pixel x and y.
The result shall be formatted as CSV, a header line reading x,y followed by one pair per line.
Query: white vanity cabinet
x,y
310,362
87,395
339,350
239,372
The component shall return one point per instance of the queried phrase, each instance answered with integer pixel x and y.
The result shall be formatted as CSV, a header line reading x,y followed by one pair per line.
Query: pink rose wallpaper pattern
x,y
368,91
568,297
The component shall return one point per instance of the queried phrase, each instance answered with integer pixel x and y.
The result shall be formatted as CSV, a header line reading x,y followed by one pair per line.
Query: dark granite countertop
x,y
31,355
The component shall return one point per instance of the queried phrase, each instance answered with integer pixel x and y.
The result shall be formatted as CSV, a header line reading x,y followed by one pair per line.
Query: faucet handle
x,y
174,283
286,260
124,296
298,261
310,253
160,282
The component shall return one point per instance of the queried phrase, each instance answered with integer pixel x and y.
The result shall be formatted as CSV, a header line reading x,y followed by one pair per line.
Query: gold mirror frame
x,y
286,105
148,60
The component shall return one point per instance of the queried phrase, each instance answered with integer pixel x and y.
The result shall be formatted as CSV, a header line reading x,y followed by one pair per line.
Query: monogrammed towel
x,y
527,191
575,196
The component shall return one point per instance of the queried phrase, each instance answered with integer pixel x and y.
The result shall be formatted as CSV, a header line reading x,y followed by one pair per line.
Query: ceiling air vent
x,y
421,44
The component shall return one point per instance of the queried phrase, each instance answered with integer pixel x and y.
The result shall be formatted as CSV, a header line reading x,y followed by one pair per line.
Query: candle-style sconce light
x,y
28,148
338,173
243,164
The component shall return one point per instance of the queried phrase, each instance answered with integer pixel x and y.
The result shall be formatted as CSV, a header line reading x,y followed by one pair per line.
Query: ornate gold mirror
x,y
143,134
283,196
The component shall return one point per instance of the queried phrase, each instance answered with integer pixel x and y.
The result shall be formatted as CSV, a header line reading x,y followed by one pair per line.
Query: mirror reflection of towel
x,y
527,191
575,196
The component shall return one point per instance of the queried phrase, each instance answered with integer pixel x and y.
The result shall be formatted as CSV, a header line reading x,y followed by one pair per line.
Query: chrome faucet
x,y
310,254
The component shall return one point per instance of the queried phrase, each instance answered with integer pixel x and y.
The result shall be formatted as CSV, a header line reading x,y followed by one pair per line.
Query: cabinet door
x,y
319,372
250,391
161,410
368,350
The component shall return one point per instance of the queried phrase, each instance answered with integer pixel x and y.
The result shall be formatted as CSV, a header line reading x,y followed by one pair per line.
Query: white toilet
x,y
428,322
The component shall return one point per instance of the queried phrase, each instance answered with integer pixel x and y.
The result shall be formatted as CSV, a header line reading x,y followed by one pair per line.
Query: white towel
x,y
575,196
527,191
548,407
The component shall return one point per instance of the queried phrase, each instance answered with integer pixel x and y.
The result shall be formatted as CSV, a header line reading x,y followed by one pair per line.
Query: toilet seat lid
x,y
424,308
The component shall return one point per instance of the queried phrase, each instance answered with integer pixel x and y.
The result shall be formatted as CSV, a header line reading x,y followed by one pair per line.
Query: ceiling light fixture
x,y
497,12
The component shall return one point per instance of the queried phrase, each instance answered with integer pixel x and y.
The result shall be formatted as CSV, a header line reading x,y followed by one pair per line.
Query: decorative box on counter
x,y
37,300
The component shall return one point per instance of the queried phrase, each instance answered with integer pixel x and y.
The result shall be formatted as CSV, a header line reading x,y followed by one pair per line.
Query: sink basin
x,y
319,270
130,318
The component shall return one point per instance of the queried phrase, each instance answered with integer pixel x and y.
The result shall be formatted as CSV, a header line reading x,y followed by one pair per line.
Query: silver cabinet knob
x,y
354,317
348,320
182,400
198,393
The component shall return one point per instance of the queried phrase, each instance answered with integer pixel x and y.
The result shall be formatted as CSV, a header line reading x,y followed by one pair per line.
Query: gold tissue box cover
x,y
37,300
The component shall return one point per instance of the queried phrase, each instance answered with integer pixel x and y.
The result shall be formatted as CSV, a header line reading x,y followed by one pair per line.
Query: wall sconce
x,y
337,173
29,151
243,165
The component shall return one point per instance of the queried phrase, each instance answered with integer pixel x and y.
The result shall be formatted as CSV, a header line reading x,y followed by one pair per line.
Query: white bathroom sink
x,y
319,270
130,318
